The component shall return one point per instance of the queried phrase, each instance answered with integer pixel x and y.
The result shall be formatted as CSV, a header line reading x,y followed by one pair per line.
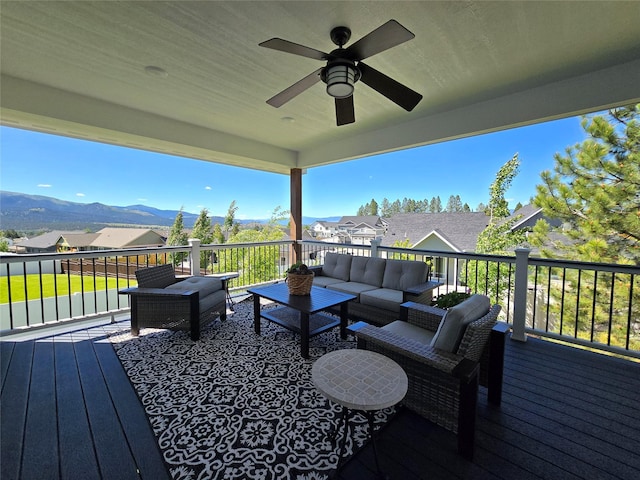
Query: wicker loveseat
x,y
163,301
380,285
445,354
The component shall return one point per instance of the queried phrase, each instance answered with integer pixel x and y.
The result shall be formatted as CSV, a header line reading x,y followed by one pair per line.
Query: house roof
x,y
111,237
78,68
80,239
47,240
370,220
460,229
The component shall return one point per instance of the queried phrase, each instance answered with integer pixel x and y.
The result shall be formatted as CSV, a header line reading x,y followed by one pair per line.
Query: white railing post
x,y
520,295
375,243
194,259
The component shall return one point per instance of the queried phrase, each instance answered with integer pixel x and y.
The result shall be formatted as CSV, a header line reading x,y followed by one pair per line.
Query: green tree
x,y
218,234
594,187
177,236
435,206
230,217
385,208
498,238
255,264
454,204
202,230
593,192
4,246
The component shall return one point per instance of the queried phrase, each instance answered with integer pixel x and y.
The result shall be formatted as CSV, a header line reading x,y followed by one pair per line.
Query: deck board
x,y
40,456
13,409
566,414
76,443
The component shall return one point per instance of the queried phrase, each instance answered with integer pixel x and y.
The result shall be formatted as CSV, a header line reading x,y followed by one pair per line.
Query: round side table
x,y
359,380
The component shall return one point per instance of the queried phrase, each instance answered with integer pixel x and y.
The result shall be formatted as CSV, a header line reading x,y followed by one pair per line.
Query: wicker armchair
x,y
163,301
443,386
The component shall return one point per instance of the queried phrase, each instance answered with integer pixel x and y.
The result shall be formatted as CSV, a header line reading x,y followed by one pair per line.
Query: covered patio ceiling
x,y
78,69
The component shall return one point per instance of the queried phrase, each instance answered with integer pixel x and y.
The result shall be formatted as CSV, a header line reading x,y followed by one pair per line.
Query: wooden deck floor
x,y
566,414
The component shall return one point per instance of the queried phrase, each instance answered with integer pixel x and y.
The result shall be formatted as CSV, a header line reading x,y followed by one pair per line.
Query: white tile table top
x,y
359,379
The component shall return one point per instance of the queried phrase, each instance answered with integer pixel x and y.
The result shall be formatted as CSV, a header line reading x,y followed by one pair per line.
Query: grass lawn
x,y
51,282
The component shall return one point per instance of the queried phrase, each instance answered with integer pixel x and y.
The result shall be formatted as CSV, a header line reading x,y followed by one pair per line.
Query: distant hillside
x,y
22,212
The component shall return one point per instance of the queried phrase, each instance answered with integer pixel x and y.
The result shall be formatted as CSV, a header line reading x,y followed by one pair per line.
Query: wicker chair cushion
x,y
369,270
337,266
204,285
403,274
212,301
384,298
455,322
408,330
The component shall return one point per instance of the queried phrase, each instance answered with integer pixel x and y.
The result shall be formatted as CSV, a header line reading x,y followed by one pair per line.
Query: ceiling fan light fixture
x,y
340,79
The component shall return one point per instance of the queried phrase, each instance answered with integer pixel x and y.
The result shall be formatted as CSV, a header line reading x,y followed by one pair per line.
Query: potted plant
x,y
451,299
299,279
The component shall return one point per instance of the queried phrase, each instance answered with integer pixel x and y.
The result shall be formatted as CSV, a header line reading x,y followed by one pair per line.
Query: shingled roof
x,y
460,230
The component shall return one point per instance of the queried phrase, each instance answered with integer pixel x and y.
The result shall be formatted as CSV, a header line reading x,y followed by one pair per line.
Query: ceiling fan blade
x,y
290,47
382,38
345,112
394,91
295,89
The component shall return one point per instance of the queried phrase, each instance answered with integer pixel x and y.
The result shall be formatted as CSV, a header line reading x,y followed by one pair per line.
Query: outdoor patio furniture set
x,y
445,353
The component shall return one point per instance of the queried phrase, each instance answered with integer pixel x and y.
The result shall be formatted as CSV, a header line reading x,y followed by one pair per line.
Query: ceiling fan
x,y
345,67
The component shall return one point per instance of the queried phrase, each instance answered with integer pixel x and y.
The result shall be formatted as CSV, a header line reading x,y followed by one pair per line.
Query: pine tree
x,y
177,236
373,207
230,217
593,191
492,278
594,187
202,230
435,206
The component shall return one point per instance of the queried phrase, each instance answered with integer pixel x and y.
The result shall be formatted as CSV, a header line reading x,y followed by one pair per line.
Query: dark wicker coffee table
x,y
301,313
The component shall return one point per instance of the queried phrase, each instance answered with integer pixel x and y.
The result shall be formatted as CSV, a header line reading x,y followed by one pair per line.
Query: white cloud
x,y
207,187
142,199
44,185
79,194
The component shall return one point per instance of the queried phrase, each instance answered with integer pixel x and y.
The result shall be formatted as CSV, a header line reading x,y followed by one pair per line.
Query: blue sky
x,y
86,172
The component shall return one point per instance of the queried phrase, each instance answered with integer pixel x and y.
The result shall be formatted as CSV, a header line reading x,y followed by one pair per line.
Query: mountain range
x,y
22,212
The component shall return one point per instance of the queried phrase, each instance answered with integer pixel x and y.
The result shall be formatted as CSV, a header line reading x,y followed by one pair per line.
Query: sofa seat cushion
x,y
204,285
403,274
322,281
337,266
369,270
384,298
354,288
455,322
408,330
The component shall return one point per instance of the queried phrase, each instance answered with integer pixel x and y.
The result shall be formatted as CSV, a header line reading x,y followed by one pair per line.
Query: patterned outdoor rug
x,y
236,405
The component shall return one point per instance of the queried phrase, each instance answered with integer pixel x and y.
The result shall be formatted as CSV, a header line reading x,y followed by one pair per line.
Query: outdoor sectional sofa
x,y
380,285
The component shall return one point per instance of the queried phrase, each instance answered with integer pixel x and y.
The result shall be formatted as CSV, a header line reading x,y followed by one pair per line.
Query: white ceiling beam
x,y
591,92
41,108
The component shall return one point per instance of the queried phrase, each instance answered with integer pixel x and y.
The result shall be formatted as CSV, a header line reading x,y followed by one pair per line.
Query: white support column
x,y
194,259
375,243
520,295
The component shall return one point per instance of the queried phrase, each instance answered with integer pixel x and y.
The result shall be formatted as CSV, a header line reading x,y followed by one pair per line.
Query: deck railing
x,y
591,304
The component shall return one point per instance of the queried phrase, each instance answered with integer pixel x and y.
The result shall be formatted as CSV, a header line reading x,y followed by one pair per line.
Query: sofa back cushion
x,y
455,322
337,265
156,277
402,274
369,270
